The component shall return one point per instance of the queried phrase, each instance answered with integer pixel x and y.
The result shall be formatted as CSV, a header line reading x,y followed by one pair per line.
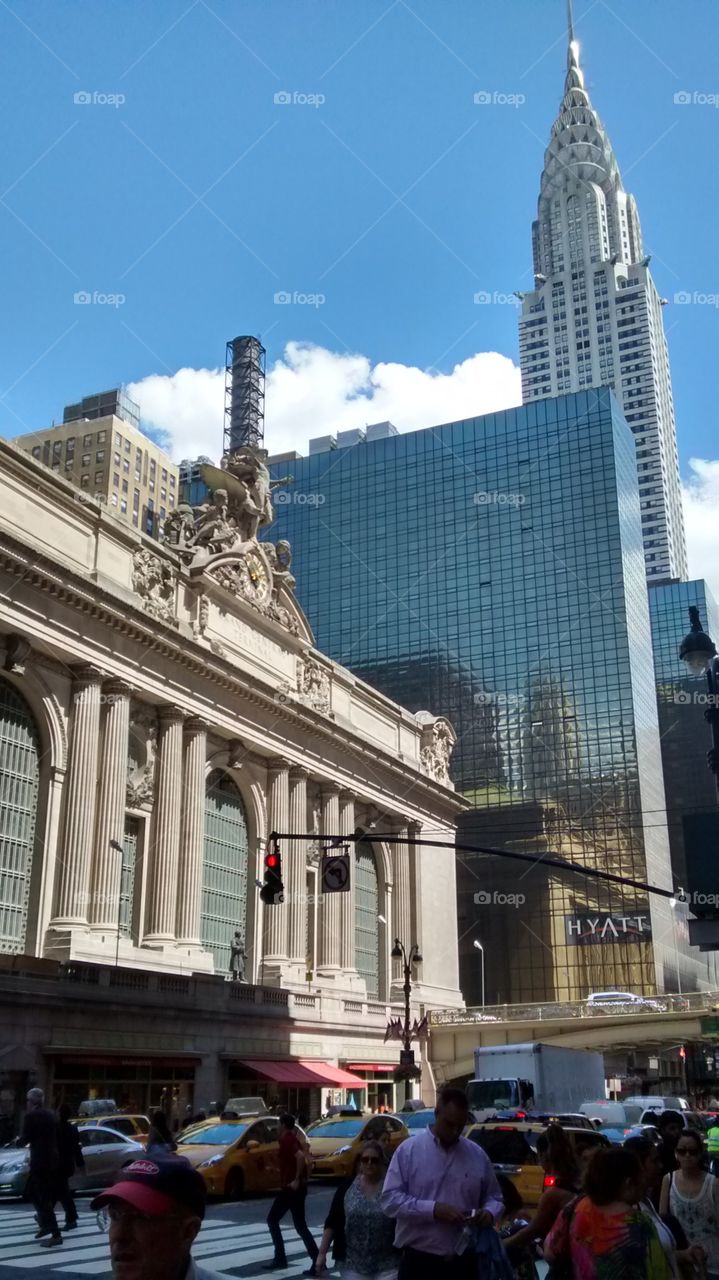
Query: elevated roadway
x,y
661,1022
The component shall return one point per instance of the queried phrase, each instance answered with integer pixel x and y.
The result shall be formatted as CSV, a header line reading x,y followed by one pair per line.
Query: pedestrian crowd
x,y
435,1210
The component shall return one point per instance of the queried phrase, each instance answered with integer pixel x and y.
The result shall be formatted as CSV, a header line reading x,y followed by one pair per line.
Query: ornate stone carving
x,y
17,652
180,527
313,684
142,753
437,742
154,581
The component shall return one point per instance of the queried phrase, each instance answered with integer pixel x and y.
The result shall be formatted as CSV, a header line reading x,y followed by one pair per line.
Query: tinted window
x,y
339,1129
123,1125
217,1135
419,1119
504,1146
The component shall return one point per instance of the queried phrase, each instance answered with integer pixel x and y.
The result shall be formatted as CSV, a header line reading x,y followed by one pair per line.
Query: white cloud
x,y
313,392
701,513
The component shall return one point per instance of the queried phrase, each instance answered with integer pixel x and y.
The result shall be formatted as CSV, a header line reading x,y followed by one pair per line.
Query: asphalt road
x,y
234,1239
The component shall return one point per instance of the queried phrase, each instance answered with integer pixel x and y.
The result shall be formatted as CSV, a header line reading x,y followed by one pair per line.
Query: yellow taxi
x,y
335,1143
134,1127
236,1156
512,1148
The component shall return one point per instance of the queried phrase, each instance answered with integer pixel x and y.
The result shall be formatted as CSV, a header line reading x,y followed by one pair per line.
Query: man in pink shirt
x,y
435,1184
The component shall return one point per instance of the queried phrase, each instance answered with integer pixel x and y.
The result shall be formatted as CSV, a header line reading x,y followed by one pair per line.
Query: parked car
x,y
105,1152
512,1148
335,1143
236,1156
625,999
135,1127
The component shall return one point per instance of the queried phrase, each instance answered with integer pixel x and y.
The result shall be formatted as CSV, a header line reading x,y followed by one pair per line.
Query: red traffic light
x,y
272,860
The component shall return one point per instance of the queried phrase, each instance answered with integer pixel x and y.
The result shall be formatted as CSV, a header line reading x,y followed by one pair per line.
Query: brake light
x,y
521,1115
550,1180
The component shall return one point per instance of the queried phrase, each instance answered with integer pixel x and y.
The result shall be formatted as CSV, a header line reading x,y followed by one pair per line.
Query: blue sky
x,y
198,197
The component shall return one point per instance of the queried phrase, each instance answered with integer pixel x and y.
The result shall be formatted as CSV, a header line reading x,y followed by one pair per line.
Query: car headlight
x,y
341,1150
207,1164
11,1169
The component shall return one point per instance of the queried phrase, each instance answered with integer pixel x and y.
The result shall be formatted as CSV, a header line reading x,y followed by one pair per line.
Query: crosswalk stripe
x,y
221,1245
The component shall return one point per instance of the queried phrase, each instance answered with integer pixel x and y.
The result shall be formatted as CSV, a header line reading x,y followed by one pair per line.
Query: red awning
x,y
307,1071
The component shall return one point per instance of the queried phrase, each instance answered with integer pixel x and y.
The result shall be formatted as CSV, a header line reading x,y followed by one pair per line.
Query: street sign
x,y
709,1026
336,873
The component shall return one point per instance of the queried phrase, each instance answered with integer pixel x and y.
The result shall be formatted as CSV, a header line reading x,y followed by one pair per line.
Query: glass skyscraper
x,y
492,570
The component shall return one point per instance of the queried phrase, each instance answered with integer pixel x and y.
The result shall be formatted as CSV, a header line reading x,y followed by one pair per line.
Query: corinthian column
x,y
165,850
296,876
330,948
192,840
107,865
401,901
278,815
348,900
80,800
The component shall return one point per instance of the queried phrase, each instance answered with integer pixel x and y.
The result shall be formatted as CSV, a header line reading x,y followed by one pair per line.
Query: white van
x,y
619,1114
657,1102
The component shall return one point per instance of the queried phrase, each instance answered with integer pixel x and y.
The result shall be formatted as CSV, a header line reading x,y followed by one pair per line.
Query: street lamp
x,y
480,948
115,844
406,1066
699,652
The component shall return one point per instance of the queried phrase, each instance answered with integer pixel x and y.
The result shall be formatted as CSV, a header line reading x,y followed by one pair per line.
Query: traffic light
x,y
273,890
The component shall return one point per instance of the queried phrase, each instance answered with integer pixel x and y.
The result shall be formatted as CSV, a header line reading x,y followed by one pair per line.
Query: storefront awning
x,y
307,1071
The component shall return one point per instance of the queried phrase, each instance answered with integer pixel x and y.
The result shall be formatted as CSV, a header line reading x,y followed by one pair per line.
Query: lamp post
x,y
699,652
480,948
407,1066
115,844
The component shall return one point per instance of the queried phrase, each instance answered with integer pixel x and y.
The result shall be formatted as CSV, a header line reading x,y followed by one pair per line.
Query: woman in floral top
x,y
363,1235
605,1235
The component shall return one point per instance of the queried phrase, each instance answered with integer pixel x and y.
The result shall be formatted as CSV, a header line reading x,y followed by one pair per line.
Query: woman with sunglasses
x,y
361,1234
691,1195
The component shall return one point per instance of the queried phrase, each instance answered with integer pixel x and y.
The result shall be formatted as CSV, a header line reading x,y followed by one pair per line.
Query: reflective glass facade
x,y
681,699
492,570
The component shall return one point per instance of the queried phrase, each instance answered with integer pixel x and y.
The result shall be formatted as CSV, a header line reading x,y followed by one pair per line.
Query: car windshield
x,y
497,1094
217,1135
503,1146
418,1119
336,1129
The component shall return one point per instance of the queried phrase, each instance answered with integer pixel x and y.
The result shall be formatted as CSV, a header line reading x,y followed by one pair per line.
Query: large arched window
x,y
224,872
19,778
366,919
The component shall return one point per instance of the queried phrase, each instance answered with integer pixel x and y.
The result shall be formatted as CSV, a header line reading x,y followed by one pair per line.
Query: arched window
x,y
19,779
224,871
366,921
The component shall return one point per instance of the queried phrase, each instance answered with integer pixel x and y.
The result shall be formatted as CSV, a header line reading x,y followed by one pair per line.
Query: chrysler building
x,y
594,317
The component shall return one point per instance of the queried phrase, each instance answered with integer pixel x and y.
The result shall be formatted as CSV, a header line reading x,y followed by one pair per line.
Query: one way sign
x,y
336,873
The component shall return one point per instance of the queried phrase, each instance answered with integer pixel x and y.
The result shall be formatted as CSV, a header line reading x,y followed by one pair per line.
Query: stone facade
x,y
150,673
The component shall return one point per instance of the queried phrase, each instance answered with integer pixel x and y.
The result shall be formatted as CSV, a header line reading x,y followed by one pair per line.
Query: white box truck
x,y
533,1077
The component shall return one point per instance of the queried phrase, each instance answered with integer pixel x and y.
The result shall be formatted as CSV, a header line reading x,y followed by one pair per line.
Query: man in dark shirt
x,y
71,1158
292,1196
39,1132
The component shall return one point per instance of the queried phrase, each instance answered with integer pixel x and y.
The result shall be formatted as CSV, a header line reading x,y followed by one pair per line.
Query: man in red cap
x,y
153,1213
